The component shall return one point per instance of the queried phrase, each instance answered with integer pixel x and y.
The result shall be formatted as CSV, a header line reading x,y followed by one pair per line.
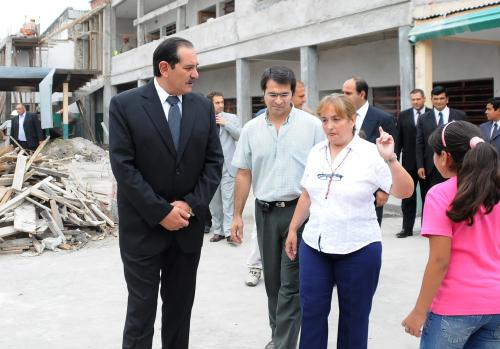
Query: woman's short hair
x,y
342,105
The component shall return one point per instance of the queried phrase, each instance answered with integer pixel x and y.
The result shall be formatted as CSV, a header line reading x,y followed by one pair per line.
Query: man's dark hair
x,y
495,102
212,94
437,90
417,90
167,51
281,75
361,85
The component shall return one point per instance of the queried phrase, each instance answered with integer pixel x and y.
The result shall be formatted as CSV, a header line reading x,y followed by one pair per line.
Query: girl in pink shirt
x,y
459,300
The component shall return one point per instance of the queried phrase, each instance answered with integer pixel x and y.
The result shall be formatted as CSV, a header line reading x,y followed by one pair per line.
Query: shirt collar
x,y
22,115
363,110
162,94
289,118
445,111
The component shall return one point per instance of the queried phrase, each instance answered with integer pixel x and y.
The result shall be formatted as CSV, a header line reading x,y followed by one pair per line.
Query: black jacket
x,y
32,130
425,126
407,138
150,173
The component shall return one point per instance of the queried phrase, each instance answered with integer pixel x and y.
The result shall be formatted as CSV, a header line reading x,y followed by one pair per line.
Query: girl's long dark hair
x,y
478,170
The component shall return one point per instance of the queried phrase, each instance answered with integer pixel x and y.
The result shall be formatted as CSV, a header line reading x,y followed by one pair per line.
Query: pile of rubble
x,y
43,207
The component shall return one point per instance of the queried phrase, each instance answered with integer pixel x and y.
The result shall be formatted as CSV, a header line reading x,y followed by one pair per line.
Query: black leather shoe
x,y
403,234
207,229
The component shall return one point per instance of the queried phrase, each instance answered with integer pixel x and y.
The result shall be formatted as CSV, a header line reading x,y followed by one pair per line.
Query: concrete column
x,y
309,74
108,90
181,18
496,76
243,99
8,63
140,27
423,67
219,9
406,67
65,111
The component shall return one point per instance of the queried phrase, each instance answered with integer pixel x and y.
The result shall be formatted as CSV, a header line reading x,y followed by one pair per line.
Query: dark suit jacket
x,y
425,126
486,130
151,173
32,129
407,136
374,118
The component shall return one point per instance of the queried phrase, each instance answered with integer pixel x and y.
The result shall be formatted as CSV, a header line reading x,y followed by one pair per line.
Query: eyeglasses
x,y
332,176
273,95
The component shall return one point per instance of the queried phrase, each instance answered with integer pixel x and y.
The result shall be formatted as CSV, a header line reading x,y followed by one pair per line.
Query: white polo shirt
x,y
345,220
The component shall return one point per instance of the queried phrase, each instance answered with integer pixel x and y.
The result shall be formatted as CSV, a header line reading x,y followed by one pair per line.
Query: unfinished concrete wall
x,y
60,55
380,69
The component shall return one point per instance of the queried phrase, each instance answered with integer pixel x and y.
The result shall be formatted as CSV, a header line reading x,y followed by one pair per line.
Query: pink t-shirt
x,y
472,284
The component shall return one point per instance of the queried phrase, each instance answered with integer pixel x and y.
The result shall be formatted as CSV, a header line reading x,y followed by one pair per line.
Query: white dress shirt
x,y
492,127
360,116
163,98
345,220
22,135
446,115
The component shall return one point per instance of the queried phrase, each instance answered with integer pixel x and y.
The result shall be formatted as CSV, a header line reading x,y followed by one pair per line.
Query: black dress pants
x,y
175,271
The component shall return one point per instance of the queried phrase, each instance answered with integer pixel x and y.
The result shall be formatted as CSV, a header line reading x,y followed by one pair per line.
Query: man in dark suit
x,y
26,129
167,160
407,134
491,128
427,123
368,121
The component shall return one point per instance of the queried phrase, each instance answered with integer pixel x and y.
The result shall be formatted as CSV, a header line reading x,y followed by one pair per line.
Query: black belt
x,y
279,204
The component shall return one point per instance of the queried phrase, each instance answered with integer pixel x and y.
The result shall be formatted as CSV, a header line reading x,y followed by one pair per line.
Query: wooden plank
x,y
99,213
36,203
7,231
55,213
78,196
25,218
51,172
20,197
6,149
17,183
37,151
19,243
6,197
54,228
40,194
3,191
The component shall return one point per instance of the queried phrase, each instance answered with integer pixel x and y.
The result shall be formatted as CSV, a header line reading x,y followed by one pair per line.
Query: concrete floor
x,y
77,299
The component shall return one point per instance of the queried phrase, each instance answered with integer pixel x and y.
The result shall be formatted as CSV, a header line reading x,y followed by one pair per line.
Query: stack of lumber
x,y
41,207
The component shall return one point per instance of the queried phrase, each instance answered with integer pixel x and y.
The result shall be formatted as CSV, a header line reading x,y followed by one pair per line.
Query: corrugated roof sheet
x,y
443,10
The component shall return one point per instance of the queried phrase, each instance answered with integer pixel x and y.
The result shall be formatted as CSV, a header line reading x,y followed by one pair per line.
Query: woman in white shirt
x,y
341,242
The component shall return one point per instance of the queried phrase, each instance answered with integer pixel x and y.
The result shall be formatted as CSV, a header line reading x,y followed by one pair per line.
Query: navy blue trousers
x,y
356,277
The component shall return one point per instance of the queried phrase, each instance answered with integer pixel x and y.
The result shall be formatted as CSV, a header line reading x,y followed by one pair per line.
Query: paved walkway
x,y
77,299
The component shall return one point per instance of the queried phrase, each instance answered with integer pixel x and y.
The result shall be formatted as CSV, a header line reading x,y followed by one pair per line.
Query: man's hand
x,y
177,219
381,198
183,205
291,245
219,120
237,230
421,172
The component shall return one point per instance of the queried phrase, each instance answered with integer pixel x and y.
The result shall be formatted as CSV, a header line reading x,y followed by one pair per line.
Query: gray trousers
x,y
222,204
281,275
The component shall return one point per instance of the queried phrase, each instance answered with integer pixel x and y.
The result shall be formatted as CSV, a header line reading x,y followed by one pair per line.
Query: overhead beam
x,y
159,11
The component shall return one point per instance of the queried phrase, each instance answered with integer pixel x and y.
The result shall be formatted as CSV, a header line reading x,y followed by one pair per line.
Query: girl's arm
x,y
437,266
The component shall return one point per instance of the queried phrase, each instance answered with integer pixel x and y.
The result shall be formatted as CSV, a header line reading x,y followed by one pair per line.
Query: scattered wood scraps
x,y
43,207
